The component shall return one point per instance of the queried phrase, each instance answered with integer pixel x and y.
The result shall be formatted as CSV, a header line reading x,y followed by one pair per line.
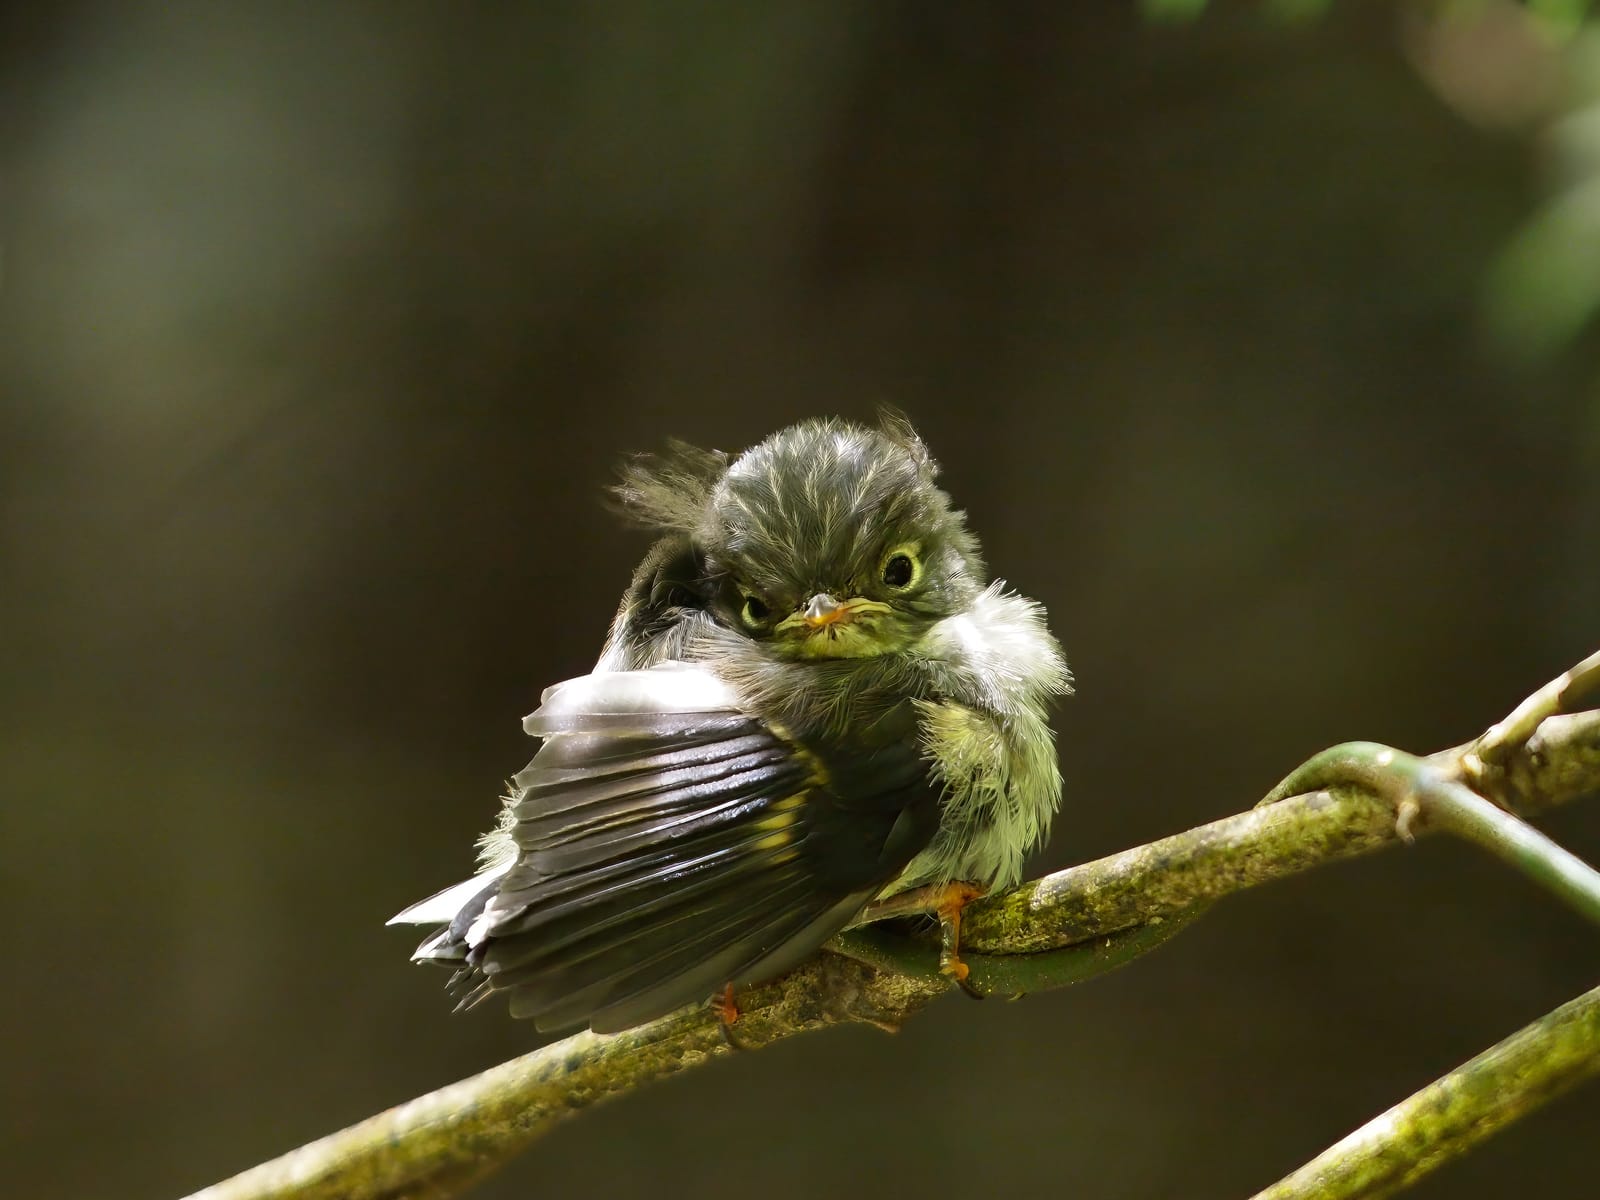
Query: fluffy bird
x,y
812,709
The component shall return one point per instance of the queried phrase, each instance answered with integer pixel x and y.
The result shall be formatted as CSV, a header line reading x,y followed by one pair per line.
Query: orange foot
x,y
946,902
727,1010
951,899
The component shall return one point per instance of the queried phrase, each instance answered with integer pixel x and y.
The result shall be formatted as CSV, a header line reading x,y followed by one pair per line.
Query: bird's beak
x,y
822,609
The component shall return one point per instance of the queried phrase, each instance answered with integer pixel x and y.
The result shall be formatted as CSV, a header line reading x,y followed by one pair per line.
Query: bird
x,y
813,708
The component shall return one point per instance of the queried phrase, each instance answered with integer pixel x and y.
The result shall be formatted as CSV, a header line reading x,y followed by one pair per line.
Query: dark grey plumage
x,y
809,698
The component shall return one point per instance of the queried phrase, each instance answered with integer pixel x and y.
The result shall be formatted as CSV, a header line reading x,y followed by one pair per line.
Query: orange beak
x,y
823,610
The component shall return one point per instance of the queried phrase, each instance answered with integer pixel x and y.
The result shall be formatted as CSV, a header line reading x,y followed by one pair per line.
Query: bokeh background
x,y
1253,346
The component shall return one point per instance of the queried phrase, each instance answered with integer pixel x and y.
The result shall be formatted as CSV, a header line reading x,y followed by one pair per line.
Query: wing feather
x,y
670,843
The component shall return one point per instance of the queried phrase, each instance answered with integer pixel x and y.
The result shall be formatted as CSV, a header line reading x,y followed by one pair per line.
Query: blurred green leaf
x,y
1296,10
1563,16
1546,286
1171,10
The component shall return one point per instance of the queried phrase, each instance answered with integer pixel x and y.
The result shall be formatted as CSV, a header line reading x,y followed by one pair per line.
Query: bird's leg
x,y
727,1011
945,901
955,897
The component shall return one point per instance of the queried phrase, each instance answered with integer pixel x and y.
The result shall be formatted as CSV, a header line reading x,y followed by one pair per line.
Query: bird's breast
x,y
1000,787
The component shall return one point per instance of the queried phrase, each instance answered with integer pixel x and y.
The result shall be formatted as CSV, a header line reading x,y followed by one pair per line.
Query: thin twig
x,y
1427,791
1454,1113
1561,695
1560,763
1468,815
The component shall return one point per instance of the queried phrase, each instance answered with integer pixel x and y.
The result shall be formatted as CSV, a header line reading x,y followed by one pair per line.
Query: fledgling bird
x,y
811,701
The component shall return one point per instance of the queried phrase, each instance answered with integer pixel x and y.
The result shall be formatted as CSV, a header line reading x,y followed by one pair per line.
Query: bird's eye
x,y
901,569
754,612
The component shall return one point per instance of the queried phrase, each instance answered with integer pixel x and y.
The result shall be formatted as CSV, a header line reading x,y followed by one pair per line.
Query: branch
x,y
1454,1113
1061,929
1559,763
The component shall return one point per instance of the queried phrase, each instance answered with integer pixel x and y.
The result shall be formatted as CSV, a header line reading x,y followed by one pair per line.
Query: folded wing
x,y
669,843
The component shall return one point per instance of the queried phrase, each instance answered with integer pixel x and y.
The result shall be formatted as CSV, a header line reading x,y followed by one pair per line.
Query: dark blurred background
x,y
326,325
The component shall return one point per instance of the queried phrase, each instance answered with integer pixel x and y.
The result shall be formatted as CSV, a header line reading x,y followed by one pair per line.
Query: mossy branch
x,y
1454,1113
1061,929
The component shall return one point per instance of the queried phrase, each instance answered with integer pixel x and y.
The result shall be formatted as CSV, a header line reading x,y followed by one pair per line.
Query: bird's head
x,y
828,540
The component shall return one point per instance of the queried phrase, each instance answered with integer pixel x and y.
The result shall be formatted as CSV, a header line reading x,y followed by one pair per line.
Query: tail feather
x,y
456,908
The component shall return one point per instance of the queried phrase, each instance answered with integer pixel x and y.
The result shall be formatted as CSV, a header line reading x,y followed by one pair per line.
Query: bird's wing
x,y
671,843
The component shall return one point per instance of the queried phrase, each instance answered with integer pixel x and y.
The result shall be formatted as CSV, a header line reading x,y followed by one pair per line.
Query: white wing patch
x,y
669,687
666,687
441,907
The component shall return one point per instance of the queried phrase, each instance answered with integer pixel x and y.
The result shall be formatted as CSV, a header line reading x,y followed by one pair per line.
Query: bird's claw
x,y
952,900
727,1014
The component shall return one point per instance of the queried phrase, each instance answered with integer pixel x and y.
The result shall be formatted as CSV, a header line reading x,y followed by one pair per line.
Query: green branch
x,y
1285,835
1454,1113
1428,792
1061,929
